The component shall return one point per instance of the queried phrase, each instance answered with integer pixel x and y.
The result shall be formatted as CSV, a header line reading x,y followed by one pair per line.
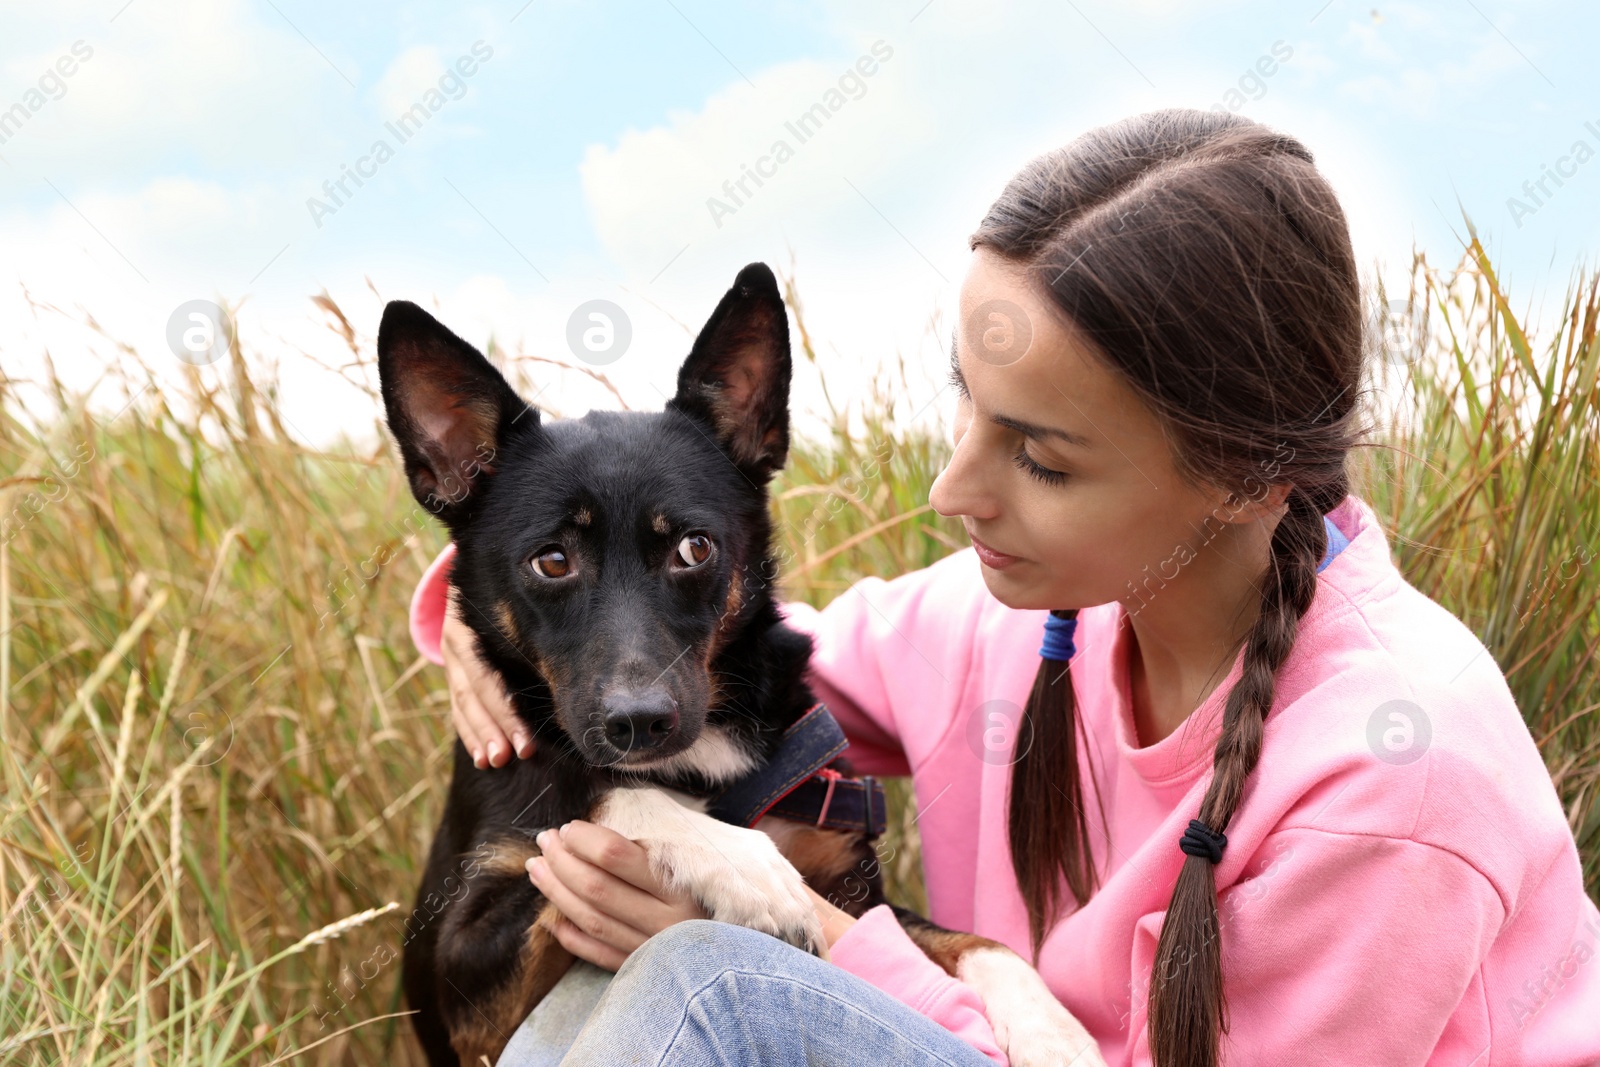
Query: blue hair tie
x,y
1058,630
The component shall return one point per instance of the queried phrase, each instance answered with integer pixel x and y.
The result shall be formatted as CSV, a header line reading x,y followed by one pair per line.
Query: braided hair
x,y
1210,265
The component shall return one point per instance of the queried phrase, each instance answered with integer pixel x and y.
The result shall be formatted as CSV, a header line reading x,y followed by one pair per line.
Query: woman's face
x,y
1057,464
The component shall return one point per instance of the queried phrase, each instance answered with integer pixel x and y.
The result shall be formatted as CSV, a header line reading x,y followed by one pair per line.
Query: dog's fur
x,y
648,677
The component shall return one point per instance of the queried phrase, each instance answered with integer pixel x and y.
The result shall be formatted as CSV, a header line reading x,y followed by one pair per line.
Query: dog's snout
x,y
640,719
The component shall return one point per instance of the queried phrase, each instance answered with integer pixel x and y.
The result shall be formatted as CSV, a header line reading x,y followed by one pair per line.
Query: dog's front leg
x,y
736,875
1034,1028
496,956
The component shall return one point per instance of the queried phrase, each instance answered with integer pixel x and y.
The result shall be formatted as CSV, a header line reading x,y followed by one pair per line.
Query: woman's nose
x,y
961,489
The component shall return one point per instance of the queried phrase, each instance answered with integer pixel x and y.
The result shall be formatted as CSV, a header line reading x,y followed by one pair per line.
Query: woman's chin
x,y
1021,588
1010,586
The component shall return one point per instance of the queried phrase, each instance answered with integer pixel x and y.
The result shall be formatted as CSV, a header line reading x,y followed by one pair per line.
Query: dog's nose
x,y
635,721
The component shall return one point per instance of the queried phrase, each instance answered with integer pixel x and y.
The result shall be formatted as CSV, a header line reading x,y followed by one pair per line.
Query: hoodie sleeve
x,y
847,677
892,658
877,949
1342,948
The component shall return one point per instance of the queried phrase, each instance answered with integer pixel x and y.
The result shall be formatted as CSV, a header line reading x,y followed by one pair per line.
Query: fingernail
x,y
540,837
536,867
494,750
477,758
563,830
524,749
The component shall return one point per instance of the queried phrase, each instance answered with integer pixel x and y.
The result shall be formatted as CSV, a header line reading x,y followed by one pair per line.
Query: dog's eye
x,y
694,549
551,562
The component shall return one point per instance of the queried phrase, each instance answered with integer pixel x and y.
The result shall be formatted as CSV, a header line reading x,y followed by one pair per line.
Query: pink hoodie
x,y
1400,885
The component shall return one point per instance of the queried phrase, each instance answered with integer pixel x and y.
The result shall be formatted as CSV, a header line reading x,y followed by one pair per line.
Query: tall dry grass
x,y
223,760
1487,474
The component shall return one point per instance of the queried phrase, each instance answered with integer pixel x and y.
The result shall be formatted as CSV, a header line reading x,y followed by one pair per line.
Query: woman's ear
x,y
1254,502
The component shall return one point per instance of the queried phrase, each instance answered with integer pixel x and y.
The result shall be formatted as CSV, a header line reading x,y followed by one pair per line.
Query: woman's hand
x,y
479,707
610,901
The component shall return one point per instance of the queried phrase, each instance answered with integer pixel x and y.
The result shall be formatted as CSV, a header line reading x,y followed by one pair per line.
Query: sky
x,y
506,164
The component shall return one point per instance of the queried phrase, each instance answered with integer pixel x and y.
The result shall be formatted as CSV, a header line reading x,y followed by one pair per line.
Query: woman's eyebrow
x,y
1032,431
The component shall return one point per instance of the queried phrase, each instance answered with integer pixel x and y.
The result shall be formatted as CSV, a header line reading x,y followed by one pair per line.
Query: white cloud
x,y
1474,55
930,143
192,141
412,73
203,75
802,125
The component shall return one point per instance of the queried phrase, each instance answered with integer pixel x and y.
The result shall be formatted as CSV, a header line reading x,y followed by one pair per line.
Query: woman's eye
x,y
694,550
1025,463
551,562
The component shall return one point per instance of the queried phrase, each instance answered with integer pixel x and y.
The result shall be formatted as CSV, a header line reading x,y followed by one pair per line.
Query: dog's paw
x,y
1033,1027
1031,1047
738,876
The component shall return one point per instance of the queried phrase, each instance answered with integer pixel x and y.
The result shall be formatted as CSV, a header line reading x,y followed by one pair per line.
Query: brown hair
x,y
1210,264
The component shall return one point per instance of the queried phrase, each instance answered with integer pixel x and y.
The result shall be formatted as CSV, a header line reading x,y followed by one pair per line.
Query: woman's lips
x,y
991,558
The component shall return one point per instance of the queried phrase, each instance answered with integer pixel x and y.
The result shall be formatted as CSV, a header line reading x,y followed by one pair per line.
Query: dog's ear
x,y
737,375
448,408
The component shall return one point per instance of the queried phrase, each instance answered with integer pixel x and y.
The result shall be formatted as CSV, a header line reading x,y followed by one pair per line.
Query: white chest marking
x,y
714,754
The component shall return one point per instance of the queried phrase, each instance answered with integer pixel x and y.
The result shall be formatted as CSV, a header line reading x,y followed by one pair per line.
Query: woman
x,y
1263,802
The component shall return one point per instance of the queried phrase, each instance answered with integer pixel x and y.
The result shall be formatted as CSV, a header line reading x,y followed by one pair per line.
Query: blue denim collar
x,y
797,783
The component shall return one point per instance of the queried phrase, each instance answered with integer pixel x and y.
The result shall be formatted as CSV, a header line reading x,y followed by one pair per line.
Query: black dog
x,y
617,572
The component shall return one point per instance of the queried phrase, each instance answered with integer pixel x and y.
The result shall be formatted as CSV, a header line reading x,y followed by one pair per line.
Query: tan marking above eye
x,y
660,524
582,517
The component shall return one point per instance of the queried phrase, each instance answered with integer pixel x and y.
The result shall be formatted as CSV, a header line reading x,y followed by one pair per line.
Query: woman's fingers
x,y
460,696
493,717
479,707
610,851
604,893
585,947
619,870
467,740
557,876
476,728
496,749
602,885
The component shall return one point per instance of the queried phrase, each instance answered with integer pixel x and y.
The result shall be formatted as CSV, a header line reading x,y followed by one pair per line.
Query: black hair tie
x,y
1200,840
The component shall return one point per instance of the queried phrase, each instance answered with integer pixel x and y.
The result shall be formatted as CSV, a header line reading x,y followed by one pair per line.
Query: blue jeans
x,y
709,994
